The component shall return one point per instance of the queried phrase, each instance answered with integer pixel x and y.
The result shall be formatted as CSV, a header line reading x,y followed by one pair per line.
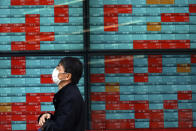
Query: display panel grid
x,y
143,91
27,90
41,25
142,24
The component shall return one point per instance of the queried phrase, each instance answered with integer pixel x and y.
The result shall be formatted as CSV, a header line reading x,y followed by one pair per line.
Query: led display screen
x,y
126,91
143,91
41,25
143,24
27,90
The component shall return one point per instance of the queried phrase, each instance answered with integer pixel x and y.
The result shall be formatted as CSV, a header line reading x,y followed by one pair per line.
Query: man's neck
x,y
63,83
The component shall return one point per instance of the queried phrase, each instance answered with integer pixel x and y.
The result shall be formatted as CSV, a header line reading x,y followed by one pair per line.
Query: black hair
x,y
74,66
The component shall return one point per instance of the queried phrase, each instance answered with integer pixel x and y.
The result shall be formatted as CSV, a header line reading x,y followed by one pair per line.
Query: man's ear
x,y
68,76
65,76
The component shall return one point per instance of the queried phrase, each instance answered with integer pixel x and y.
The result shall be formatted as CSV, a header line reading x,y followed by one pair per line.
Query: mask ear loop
x,y
63,73
59,72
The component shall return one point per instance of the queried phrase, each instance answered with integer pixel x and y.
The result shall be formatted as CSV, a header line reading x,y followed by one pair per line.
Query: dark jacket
x,y
69,111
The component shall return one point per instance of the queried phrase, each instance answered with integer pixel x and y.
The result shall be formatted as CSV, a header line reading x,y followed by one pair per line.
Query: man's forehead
x,y
61,66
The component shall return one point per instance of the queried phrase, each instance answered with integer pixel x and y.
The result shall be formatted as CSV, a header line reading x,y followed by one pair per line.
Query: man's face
x,y
60,68
62,73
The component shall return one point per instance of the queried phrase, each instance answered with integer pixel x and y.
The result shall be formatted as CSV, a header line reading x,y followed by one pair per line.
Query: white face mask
x,y
55,77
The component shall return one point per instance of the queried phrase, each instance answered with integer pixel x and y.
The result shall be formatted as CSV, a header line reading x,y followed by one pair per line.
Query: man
x,y
69,105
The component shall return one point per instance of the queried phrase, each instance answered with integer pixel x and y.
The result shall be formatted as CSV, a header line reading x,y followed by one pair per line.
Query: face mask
x,y
55,77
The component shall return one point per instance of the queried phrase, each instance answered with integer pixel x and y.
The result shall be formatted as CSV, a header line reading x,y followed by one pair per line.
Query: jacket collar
x,y
64,88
